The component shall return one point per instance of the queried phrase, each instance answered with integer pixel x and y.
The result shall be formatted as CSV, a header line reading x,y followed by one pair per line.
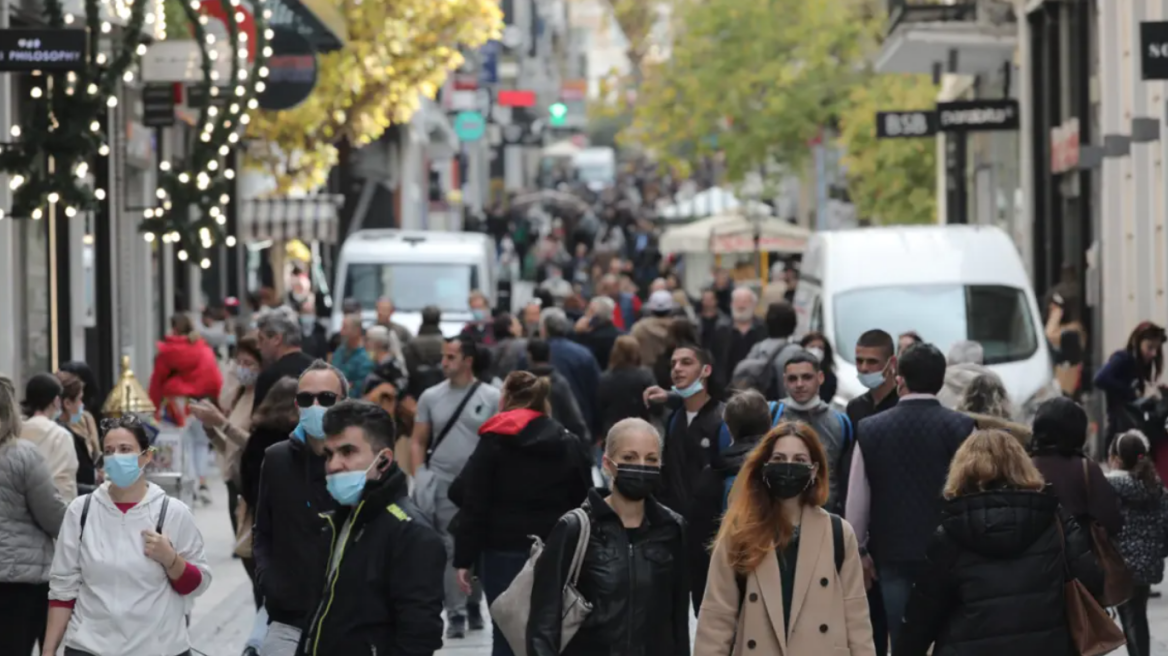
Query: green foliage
x,y
890,180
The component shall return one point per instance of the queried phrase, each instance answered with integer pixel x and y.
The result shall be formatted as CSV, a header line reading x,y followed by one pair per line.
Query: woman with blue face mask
x,y
129,547
42,407
74,419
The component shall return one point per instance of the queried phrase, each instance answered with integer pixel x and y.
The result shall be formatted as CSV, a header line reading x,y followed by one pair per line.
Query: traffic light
x,y
558,113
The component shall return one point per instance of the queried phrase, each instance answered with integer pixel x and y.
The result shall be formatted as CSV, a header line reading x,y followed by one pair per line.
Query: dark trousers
x,y
249,566
499,569
896,582
24,610
879,622
1134,617
232,505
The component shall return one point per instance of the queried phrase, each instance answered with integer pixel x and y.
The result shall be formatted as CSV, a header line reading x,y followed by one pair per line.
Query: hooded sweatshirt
x,y
957,379
123,602
834,431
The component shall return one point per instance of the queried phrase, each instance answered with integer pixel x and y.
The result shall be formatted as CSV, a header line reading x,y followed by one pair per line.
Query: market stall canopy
x,y
733,232
711,202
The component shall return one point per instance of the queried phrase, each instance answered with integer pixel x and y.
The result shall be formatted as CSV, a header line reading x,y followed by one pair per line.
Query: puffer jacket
x,y
636,581
185,367
994,581
1143,542
31,510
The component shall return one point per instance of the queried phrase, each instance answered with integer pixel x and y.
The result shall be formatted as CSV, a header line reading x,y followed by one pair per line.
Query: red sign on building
x,y
516,99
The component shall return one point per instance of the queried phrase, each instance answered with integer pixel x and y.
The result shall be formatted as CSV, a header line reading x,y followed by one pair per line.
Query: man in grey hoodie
x,y
965,362
802,376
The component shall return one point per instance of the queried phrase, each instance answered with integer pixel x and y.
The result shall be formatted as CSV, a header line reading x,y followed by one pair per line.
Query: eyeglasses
x,y
325,399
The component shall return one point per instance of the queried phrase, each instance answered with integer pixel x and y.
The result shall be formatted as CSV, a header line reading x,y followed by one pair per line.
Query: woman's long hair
x,y
9,411
278,409
1147,330
1131,449
754,525
525,390
991,460
986,395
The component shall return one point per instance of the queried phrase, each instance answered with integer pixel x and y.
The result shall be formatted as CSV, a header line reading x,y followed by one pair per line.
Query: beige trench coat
x,y
829,611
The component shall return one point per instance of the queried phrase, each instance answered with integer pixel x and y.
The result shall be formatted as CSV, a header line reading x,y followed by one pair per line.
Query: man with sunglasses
x,y
291,548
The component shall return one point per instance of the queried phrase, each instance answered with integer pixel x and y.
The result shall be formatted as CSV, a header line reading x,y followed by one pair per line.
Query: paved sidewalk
x,y
222,617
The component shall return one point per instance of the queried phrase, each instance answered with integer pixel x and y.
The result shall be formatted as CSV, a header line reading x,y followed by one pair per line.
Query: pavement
x,y
222,617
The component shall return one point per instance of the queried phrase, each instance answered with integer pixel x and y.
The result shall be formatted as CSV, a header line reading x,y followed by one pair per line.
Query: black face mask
x,y
636,482
787,480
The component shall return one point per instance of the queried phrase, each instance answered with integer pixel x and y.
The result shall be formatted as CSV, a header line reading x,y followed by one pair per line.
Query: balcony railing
x,y
904,12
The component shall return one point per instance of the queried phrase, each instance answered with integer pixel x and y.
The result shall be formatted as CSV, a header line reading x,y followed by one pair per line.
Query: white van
x,y
595,167
415,268
948,283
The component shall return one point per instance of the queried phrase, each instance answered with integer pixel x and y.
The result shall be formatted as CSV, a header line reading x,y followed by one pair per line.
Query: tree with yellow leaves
x,y
889,180
397,51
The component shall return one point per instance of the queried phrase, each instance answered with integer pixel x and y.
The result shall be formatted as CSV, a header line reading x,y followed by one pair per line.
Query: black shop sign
x,y
906,124
291,70
24,49
158,105
978,116
1154,50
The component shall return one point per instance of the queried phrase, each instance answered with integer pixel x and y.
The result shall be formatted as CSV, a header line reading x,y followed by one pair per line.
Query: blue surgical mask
x,y
872,379
479,315
312,422
690,390
122,469
346,487
78,416
307,323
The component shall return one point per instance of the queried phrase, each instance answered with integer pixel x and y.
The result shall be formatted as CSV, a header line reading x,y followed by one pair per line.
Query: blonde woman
x,y
30,516
993,584
785,576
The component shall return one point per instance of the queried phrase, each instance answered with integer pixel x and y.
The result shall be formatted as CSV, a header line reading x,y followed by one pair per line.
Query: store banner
x,y
1154,50
978,116
906,124
292,71
26,49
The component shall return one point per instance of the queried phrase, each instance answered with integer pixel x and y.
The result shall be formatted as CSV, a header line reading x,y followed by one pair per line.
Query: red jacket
x,y
185,368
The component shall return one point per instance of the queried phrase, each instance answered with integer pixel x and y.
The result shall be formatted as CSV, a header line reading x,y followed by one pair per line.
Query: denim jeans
x,y
498,571
896,582
879,621
259,630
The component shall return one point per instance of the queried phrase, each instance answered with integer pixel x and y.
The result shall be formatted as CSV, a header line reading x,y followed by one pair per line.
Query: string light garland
x,y
204,178
64,128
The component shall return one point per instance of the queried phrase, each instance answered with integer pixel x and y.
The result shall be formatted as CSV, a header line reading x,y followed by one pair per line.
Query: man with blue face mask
x,y
291,548
384,578
480,327
691,430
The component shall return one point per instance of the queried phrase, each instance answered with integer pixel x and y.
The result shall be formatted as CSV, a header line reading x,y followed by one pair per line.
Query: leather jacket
x,y
636,581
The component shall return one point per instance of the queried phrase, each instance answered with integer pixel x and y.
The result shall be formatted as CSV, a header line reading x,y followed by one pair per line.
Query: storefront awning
x,y
954,36
311,218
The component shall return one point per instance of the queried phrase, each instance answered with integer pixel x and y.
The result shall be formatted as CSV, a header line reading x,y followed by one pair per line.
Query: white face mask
x,y
816,351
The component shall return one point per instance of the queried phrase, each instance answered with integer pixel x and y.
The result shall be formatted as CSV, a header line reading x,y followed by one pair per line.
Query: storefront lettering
x,y
914,123
984,116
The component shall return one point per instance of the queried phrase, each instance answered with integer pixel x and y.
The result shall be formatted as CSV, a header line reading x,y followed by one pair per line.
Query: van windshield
x,y
412,287
997,317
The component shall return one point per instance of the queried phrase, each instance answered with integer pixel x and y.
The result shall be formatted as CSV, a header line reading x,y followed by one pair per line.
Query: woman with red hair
x,y
785,576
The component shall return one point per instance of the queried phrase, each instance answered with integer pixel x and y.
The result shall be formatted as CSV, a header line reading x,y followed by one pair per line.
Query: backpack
x,y
85,515
837,545
759,373
424,377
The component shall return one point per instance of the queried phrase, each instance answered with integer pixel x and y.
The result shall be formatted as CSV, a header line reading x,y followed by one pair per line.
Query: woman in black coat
x,y
997,565
622,387
525,474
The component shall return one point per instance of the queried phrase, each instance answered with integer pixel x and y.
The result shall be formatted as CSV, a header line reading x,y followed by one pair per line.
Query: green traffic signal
x,y
558,112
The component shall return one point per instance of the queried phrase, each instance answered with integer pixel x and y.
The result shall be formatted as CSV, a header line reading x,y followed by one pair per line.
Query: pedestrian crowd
x,y
587,475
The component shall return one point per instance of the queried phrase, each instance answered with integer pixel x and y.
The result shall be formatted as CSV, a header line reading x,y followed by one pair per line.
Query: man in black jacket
x,y
290,547
894,497
384,586
564,407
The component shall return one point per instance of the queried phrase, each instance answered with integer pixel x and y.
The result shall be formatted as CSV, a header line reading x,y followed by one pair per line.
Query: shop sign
x,y
197,97
24,49
977,116
901,125
470,126
489,53
1064,146
1154,50
158,105
291,70
574,90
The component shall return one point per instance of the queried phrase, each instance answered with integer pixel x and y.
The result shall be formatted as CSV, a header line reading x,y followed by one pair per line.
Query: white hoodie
x,y
124,603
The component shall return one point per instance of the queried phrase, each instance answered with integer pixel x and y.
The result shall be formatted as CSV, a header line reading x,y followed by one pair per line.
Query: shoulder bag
x,y
1092,630
511,609
453,419
1117,578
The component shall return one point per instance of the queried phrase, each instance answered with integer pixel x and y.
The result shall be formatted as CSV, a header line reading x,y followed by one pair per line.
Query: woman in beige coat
x,y
777,585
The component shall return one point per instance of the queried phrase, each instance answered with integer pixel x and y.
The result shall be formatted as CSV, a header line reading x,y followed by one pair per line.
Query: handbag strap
x,y
1087,482
1058,523
581,545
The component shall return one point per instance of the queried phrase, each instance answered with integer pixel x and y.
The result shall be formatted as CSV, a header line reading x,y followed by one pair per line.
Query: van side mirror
x,y
1071,346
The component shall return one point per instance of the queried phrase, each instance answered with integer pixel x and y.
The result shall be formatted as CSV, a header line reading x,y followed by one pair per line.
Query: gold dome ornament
x,y
127,396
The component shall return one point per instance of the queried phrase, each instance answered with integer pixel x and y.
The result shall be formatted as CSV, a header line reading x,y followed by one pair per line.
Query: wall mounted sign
x,y
291,71
470,126
196,98
977,116
516,98
1154,50
906,124
158,105
24,49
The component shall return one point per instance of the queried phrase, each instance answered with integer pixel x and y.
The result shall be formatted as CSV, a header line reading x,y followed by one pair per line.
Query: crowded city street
x,y
583,328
